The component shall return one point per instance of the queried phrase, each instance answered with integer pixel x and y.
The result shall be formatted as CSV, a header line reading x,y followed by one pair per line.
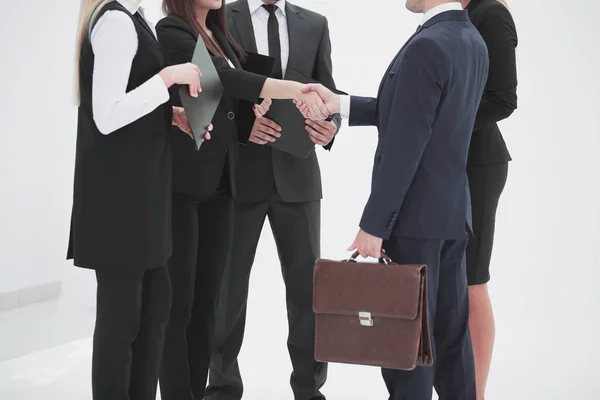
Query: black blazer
x,y
260,167
495,24
198,173
424,112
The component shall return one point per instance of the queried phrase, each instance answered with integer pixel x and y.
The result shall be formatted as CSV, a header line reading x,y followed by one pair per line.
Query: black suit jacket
x,y
495,24
425,111
198,173
260,167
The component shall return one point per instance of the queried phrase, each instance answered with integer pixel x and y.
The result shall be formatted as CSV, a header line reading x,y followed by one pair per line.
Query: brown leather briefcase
x,y
372,314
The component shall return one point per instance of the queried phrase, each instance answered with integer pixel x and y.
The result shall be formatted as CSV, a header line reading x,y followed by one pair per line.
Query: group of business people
x,y
172,232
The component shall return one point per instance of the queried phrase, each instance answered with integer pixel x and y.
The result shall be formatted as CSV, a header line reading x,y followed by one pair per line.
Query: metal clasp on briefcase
x,y
365,318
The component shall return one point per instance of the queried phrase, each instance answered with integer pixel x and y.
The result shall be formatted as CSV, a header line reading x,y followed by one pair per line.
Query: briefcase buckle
x,y
365,318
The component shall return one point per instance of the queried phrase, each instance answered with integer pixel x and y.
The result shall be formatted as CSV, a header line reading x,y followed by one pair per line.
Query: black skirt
x,y
486,184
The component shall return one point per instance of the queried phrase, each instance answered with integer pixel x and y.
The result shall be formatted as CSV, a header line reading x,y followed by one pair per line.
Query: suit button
x,y
230,115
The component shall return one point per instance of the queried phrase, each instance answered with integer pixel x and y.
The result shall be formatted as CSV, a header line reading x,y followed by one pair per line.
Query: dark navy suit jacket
x,y
425,111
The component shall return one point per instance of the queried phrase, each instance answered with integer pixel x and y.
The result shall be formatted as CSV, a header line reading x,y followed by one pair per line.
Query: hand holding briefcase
x,y
372,313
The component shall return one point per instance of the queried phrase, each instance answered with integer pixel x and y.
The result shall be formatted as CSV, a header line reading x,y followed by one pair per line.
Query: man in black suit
x,y
419,208
282,187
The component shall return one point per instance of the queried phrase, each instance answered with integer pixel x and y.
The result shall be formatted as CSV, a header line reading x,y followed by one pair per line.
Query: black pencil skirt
x,y
486,183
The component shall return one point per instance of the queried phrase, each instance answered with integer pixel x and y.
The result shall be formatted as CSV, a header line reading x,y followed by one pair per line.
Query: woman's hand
x,y
209,129
312,106
183,74
331,101
261,109
180,120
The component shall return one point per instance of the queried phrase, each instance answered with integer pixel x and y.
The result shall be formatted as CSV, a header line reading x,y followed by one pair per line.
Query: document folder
x,y
201,110
294,138
257,64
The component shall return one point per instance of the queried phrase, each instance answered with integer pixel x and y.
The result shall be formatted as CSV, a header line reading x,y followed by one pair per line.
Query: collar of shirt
x,y
131,5
257,4
454,5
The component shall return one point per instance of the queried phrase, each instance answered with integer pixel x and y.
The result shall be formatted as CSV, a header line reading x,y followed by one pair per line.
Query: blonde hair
x,y
503,2
88,12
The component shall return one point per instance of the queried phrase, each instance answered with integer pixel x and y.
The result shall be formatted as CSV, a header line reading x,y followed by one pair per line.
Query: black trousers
x,y
453,373
132,311
296,229
202,231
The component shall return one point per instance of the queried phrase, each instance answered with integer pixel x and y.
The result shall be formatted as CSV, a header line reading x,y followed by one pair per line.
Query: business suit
x,y
419,202
287,190
203,186
487,166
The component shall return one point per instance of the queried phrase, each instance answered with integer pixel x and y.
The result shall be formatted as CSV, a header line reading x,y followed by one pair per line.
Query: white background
x,y
545,266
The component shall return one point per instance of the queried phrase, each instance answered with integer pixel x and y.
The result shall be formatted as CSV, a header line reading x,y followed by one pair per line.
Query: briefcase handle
x,y
384,259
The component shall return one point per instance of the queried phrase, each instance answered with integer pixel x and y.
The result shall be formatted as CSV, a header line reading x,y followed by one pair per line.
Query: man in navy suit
x,y
419,209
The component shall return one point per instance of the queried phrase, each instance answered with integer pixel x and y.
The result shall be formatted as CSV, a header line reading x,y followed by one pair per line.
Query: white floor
x,y
45,348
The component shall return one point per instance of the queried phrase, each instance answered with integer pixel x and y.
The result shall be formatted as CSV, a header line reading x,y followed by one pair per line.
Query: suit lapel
x,y
296,35
222,40
242,20
394,61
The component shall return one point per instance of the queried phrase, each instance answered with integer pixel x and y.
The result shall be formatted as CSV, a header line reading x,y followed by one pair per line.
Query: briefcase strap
x,y
384,259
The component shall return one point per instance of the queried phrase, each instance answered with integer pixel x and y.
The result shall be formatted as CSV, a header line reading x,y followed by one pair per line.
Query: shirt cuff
x,y
157,89
345,106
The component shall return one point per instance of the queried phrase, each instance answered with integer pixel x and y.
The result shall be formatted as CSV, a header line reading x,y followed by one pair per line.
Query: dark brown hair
x,y
185,10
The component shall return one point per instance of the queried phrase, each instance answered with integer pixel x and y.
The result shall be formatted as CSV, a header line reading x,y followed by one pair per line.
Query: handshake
x,y
317,102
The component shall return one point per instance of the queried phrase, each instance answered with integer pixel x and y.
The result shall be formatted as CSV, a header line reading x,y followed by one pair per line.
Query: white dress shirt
x,y
260,19
115,42
452,6
455,5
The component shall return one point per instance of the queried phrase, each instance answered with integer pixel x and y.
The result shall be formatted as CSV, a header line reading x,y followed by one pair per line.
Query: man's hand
x,y
330,99
321,132
262,108
311,105
367,245
180,120
264,131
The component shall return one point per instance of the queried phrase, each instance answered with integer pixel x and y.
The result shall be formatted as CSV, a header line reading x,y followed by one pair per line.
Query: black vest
x,y
122,193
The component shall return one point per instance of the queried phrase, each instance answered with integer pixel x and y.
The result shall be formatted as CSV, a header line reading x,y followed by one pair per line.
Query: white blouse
x,y
115,42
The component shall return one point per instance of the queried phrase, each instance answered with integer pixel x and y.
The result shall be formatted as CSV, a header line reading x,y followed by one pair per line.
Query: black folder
x,y
257,64
294,138
201,110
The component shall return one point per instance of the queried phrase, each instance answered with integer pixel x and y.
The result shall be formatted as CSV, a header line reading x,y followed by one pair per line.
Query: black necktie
x,y
274,44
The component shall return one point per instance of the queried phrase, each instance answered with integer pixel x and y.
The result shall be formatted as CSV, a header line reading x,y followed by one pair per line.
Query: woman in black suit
x,y
120,225
487,169
203,190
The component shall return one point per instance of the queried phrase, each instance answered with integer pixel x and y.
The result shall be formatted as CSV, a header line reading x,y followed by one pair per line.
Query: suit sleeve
x,y
324,73
178,44
499,99
363,111
420,78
